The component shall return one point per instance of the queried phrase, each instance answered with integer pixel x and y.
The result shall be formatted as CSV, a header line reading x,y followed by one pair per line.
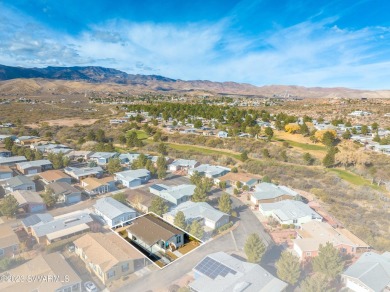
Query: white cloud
x,y
309,53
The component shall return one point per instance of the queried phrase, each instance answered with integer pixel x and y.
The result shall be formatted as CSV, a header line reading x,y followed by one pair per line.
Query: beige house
x,y
49,273
9,242
107,255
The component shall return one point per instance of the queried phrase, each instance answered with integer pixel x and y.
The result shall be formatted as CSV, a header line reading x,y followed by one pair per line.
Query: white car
x,y
90,286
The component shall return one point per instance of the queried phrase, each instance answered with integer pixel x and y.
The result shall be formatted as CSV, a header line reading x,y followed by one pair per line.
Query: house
x,y
30,201
65,192
153,234
9,242
79,155
201,212
182,164
245,179
107,255
5,172
19,182
314,233
174,194
220,272
55,175
5,153
210,171
59,227
3,137
289,212
45,272
102,158
84,172
32,167
113,212
94,186
128,158
139,199
132,178
11,161
270,193
371,272
222,134
27,140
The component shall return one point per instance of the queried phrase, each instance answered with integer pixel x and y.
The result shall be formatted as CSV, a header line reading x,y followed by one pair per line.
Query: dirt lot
x,y
66,122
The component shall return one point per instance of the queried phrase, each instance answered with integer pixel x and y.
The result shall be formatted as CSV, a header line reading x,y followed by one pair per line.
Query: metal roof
x,y
193,211
111,208
290,210
266,190
34,163
18,180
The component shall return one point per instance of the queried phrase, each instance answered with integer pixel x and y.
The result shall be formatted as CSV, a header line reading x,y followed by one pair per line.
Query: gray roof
x,y
34,163
184,162
133,174
231,274
61,223
62,188
18,180
176,192
111,208
372,269
37,218
83,171
105,155
266,190
193,211
290,209
12,159
211,170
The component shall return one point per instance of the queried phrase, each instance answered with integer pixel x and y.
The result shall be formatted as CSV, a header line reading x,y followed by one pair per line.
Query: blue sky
x,y
344,43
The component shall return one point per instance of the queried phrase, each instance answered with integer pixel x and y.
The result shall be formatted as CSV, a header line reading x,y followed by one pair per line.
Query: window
x,y
110,274
308,253
29,188
67,289
295,221
125,267
178,239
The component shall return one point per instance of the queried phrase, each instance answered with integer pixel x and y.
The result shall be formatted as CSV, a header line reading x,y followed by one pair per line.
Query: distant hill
x,y
92,78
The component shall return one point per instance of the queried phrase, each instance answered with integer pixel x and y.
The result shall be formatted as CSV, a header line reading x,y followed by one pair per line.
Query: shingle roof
x,y
106,249
62,188
220,272
18,180
53,175
27,197
372,269
12,159
36,218
7,236
150,229
111,208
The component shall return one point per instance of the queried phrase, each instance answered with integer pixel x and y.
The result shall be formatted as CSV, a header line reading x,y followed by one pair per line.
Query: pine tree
x,y
161,167
199,195
158,206
120,197
8,143
49,198
196,229
114,165
316,283
308,158
254,248
180,220
224,203
9,206
288,268
328,262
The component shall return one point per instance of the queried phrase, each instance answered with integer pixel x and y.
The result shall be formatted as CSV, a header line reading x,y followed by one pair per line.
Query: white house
x,y
114,213
201,212
289,212
19,182
173,194
132,178
222,134
210,171
182,164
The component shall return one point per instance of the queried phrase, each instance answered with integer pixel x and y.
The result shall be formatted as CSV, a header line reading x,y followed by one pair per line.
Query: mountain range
x,y
90,78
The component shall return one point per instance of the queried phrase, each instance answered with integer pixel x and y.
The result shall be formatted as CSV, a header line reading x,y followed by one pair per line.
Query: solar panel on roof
x,y
158,188
212,269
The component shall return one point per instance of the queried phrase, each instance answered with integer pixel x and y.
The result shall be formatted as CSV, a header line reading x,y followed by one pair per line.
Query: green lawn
x,y
353,178
202,150
141,135
303,145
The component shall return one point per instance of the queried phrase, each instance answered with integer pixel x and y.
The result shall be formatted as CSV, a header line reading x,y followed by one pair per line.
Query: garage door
x,y
73,199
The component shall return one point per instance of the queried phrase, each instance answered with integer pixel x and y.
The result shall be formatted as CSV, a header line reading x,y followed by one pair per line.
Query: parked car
x,y
71,248
90,286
